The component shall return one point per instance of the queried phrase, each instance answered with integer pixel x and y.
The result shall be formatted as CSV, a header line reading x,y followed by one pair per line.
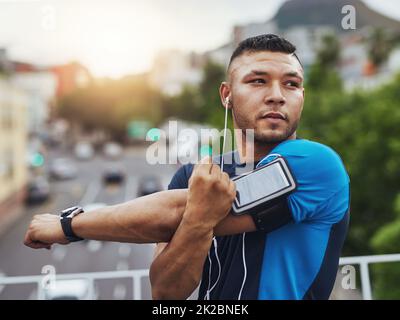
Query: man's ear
x,y
225,95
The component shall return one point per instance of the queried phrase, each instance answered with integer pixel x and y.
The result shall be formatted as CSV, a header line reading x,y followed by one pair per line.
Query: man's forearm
x,y
149,219
176,271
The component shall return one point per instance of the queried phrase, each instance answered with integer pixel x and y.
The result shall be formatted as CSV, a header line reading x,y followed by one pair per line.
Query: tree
x,y
328,54
380,44
323,73
110,105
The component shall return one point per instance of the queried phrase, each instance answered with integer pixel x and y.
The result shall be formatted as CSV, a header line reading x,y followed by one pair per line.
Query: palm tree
x,y
329,52
380,45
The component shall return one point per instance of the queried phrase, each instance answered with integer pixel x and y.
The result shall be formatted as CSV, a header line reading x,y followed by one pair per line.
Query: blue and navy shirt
x,y
298,260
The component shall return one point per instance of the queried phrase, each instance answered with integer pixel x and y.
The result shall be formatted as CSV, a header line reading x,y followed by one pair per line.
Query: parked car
x,y
112,150
74,289
38,190
84,151
62,169
149,184
114,175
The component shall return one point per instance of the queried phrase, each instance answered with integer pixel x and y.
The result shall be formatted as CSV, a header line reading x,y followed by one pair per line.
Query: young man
x,y
291,253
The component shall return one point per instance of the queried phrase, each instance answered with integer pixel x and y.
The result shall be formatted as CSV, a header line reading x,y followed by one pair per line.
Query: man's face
x,y
267,94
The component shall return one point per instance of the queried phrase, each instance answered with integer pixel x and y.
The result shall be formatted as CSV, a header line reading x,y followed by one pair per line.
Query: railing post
x,y
137,287
91,288
40,290
365,281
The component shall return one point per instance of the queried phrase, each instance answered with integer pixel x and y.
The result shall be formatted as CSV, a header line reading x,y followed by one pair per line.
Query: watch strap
x,y
66,223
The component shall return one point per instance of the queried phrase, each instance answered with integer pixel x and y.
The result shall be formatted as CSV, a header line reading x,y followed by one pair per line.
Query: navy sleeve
x,y
181,177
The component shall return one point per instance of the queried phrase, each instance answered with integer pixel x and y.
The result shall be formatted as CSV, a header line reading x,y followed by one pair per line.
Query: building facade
x,y
13,145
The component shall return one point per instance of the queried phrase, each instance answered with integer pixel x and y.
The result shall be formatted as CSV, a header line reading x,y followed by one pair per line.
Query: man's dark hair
x,y
264,42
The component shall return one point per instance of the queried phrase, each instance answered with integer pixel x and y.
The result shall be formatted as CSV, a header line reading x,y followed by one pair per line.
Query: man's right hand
x,y
44,230
210,194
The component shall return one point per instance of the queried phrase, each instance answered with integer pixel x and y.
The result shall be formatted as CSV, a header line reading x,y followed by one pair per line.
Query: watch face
x,y
71,212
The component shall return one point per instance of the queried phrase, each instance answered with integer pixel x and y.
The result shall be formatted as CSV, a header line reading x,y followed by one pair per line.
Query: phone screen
x,y
260,184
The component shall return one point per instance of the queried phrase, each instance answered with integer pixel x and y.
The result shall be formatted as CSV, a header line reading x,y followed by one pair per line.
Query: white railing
x,y
363,262
137,275
134,275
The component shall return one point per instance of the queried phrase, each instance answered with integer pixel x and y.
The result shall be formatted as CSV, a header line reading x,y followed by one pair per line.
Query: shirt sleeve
x,y
323,186
181,178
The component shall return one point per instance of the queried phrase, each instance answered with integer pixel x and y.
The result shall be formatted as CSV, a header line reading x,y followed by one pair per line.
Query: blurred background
x,y
82,83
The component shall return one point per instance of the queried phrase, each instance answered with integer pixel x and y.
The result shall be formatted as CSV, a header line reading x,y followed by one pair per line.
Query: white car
x,y
74,289
62,169
112,150
84,151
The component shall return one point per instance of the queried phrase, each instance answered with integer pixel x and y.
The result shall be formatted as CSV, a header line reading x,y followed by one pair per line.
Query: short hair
x,y
264,42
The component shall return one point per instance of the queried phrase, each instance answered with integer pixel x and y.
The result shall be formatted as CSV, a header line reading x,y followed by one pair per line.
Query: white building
x,y
13,143
40,86
172,69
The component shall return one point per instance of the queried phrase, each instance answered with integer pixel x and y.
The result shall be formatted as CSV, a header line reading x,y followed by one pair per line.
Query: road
x,y
85,256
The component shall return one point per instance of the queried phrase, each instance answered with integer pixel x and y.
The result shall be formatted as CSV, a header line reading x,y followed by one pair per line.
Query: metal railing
x,y
137,275
363,262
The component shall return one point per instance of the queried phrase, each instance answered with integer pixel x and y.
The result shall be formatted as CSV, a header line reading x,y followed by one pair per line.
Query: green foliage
x,y
214,74
380,43
387,239
111,105
363,127
186,106
386,275
329,53
201,103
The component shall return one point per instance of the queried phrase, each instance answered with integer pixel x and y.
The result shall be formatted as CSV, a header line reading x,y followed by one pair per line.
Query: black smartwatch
x,y
66,219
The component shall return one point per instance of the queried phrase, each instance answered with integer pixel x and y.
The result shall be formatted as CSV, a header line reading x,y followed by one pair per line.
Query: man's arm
x,y
177,269
149,219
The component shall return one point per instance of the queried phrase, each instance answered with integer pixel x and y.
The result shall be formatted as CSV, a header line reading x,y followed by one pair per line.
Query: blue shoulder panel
x,y
295,254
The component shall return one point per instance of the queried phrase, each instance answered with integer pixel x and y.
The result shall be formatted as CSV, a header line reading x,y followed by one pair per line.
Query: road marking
x,y
91,193
59,253
119,291
94,245
124,250
131,188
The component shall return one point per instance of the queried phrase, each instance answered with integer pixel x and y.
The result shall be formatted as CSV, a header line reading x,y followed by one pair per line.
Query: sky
x,y
117,37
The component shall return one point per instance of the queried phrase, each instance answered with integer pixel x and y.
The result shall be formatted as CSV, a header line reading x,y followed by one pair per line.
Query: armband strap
x,y
274,215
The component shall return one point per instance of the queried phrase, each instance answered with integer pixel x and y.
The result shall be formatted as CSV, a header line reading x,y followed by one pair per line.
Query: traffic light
x,y
37,160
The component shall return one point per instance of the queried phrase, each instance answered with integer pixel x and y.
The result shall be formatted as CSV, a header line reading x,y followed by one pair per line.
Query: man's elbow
x,y
163,291
167,294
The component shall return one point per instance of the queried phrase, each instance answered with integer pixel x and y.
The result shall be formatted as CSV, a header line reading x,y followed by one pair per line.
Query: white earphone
x,y
227,102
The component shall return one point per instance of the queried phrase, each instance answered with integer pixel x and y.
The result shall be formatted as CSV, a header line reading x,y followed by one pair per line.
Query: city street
x,y
85,256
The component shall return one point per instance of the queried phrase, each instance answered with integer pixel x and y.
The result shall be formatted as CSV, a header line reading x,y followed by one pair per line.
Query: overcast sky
x,y
115,37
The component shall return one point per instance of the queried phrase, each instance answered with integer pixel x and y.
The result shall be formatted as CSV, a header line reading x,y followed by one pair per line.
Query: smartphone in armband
x,y
265,185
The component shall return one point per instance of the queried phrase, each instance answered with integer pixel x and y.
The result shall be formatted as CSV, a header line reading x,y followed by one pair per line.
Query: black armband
x,y
272,216
263,193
